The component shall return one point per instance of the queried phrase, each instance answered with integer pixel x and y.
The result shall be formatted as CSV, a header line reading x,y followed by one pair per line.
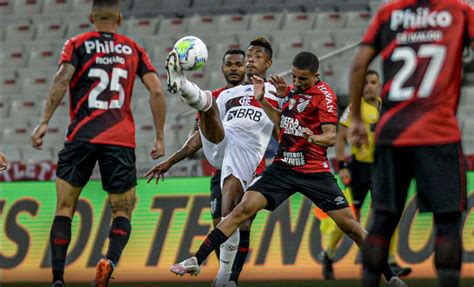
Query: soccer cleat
x,y
396,282
326,262
223,283
398,270
174,72
58,283
103,272
189,266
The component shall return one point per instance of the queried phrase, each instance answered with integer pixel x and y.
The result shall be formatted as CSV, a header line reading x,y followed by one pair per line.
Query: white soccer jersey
x,y
247,132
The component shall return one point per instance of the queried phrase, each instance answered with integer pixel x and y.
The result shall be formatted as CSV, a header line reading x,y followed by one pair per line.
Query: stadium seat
x,y
202,24
16,135
20,31
51,30
173,26
319,42
56,134
233,23
41,54
82,6
200,4
27,7
142,155
200,78
31,155
216,80
158,54
6,7
35,83
298,21
358,19
238,4
265,22
244,39
141,27
13,152
55,7
346,37
78,27
4,107
10,83
12,55
330,20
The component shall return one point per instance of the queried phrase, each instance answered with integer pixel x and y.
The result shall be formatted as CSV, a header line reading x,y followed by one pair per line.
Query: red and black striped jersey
x,y
421,45
312,109
101,88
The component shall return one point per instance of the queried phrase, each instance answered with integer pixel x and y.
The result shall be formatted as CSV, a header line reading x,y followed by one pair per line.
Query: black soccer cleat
x,y
398,270
326,262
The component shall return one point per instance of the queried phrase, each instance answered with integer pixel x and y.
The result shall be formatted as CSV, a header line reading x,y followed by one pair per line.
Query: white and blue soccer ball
x,y
192,53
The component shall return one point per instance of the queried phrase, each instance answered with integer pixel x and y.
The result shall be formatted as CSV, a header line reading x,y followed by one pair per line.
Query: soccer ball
x,y
192,53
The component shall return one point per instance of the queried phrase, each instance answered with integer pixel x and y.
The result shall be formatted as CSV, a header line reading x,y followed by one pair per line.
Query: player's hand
x,y
3,162
37,135
158,149
280,85
258,87
345,176
307,133
158,171
358,133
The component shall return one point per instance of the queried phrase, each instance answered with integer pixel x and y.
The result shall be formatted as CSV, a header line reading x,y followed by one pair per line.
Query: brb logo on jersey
x,y
421,18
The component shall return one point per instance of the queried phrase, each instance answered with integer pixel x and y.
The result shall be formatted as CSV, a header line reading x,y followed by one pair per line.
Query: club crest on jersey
x,y
245,101
302,105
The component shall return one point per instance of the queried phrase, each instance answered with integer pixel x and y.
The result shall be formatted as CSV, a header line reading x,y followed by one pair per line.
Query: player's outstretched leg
x,y
346,221
246,209
121,206
190,92
60,234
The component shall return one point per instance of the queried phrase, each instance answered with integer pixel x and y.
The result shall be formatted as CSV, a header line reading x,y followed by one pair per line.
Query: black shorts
x,y
277,183
439,171
361,181
77,160
216,195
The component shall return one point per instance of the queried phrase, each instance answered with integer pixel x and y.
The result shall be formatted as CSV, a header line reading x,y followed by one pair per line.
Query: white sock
x,y
227,256
195,97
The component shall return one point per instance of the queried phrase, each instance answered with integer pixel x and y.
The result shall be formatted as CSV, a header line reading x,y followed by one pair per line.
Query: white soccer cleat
x,y
174,72
189,266
396,282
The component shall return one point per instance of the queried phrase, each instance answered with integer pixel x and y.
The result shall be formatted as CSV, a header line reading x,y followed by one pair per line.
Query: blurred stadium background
x,y
33,32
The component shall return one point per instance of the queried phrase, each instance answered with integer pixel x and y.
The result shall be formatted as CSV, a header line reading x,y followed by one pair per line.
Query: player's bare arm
x,y
341,140
56,94
364,55
326,138
259,90
192,145
158,109
3,162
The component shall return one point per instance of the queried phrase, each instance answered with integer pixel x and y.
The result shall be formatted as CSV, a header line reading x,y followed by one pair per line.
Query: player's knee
x,y
65,207
122,207
243,211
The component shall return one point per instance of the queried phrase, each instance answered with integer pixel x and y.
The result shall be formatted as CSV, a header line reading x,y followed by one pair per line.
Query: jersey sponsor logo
x,y
107,47
248,113
294,158
328,97
291,126
421,18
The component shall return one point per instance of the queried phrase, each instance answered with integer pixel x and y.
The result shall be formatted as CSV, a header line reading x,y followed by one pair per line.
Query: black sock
x,y
375,249
241,255
118,238
59,238
448,248
212,242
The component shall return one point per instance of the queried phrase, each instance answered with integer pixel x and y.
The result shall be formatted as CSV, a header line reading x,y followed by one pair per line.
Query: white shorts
x,y
233,158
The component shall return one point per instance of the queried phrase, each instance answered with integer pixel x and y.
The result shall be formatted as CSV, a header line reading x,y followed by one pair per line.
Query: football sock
x,y
212,242
392,250
227,255
448,248
375,249
241,255
195,97
333,239
118,237
59,238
